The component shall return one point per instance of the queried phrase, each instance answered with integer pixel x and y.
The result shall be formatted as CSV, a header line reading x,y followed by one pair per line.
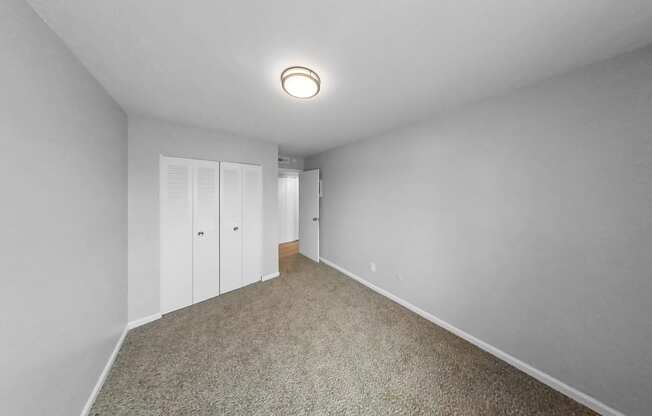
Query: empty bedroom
x,y
326,208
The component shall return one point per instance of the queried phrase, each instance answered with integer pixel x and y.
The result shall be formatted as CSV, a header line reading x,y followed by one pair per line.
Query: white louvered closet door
x,y
230,226
176,255
206,238
252,223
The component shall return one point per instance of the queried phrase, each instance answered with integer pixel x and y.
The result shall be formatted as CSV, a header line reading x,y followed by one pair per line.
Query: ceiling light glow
x,y
300,82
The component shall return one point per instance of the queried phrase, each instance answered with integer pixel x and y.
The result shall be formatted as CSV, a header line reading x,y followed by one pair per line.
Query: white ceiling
x,y
216,63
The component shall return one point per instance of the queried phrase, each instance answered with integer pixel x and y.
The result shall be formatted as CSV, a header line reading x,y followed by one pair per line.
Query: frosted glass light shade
x,y
300,82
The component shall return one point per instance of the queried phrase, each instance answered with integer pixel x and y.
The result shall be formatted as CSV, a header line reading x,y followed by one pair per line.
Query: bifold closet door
x,y
206,238
176,255
252,222
211,229
230,226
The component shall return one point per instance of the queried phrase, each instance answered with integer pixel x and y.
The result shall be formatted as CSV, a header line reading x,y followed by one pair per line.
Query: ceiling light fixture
x,y
300,82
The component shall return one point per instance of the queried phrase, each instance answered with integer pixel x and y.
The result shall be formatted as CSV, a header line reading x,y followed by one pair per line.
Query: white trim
x,y
107,368
142,321
271,276
104,374
558,385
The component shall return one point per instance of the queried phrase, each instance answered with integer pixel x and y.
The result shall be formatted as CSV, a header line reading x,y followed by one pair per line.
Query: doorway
x,y
210,229
288,207
298,198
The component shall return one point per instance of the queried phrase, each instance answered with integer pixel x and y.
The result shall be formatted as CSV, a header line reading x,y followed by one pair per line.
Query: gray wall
x,y
148,139
63,244
524,220
295,162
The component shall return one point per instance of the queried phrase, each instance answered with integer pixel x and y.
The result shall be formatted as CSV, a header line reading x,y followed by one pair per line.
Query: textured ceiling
x,y
217,64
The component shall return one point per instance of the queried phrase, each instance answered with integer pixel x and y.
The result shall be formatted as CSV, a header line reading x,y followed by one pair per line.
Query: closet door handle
x,y
316,219
235,228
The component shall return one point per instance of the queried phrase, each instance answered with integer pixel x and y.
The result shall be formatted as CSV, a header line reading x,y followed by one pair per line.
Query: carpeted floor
x,y
312,342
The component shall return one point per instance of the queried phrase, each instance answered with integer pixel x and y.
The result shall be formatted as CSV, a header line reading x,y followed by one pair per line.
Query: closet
x,y
210,229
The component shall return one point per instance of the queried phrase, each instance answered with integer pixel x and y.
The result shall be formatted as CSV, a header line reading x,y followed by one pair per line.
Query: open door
x,y
309,214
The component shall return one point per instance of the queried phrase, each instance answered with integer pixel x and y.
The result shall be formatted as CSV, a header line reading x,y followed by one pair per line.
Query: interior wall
x,y
148,139
295,162
524,220
63,273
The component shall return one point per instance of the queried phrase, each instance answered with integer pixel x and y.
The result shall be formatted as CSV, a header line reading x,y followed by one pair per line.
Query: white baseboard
x,y
142,321
271,276
104,374
558,385
114,354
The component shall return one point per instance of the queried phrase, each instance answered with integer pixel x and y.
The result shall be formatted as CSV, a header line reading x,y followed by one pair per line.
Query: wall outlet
x,y
372,266
399,276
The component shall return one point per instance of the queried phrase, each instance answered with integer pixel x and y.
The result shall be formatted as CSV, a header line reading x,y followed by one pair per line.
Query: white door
x,y
230,227
175,233
252,223
206,238
309,214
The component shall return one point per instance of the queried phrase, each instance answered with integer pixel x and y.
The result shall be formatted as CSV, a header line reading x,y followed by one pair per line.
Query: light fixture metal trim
x,y
300,71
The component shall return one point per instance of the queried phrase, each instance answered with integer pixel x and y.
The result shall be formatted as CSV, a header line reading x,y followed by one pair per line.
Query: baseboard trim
x,y
552,382
104,373
107,368
271,276
142,321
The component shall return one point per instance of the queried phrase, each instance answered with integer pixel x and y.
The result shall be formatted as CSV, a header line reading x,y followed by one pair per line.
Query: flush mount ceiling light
x,y
300,82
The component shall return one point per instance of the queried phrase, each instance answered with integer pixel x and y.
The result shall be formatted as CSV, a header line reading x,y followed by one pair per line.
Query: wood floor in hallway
x,y
288,249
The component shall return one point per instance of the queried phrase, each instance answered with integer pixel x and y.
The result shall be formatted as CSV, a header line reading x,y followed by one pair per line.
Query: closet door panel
x,y
176,255
230,227
206,238
252,221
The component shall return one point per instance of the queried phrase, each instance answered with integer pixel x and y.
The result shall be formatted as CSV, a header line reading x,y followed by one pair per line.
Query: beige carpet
x,y
312,342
